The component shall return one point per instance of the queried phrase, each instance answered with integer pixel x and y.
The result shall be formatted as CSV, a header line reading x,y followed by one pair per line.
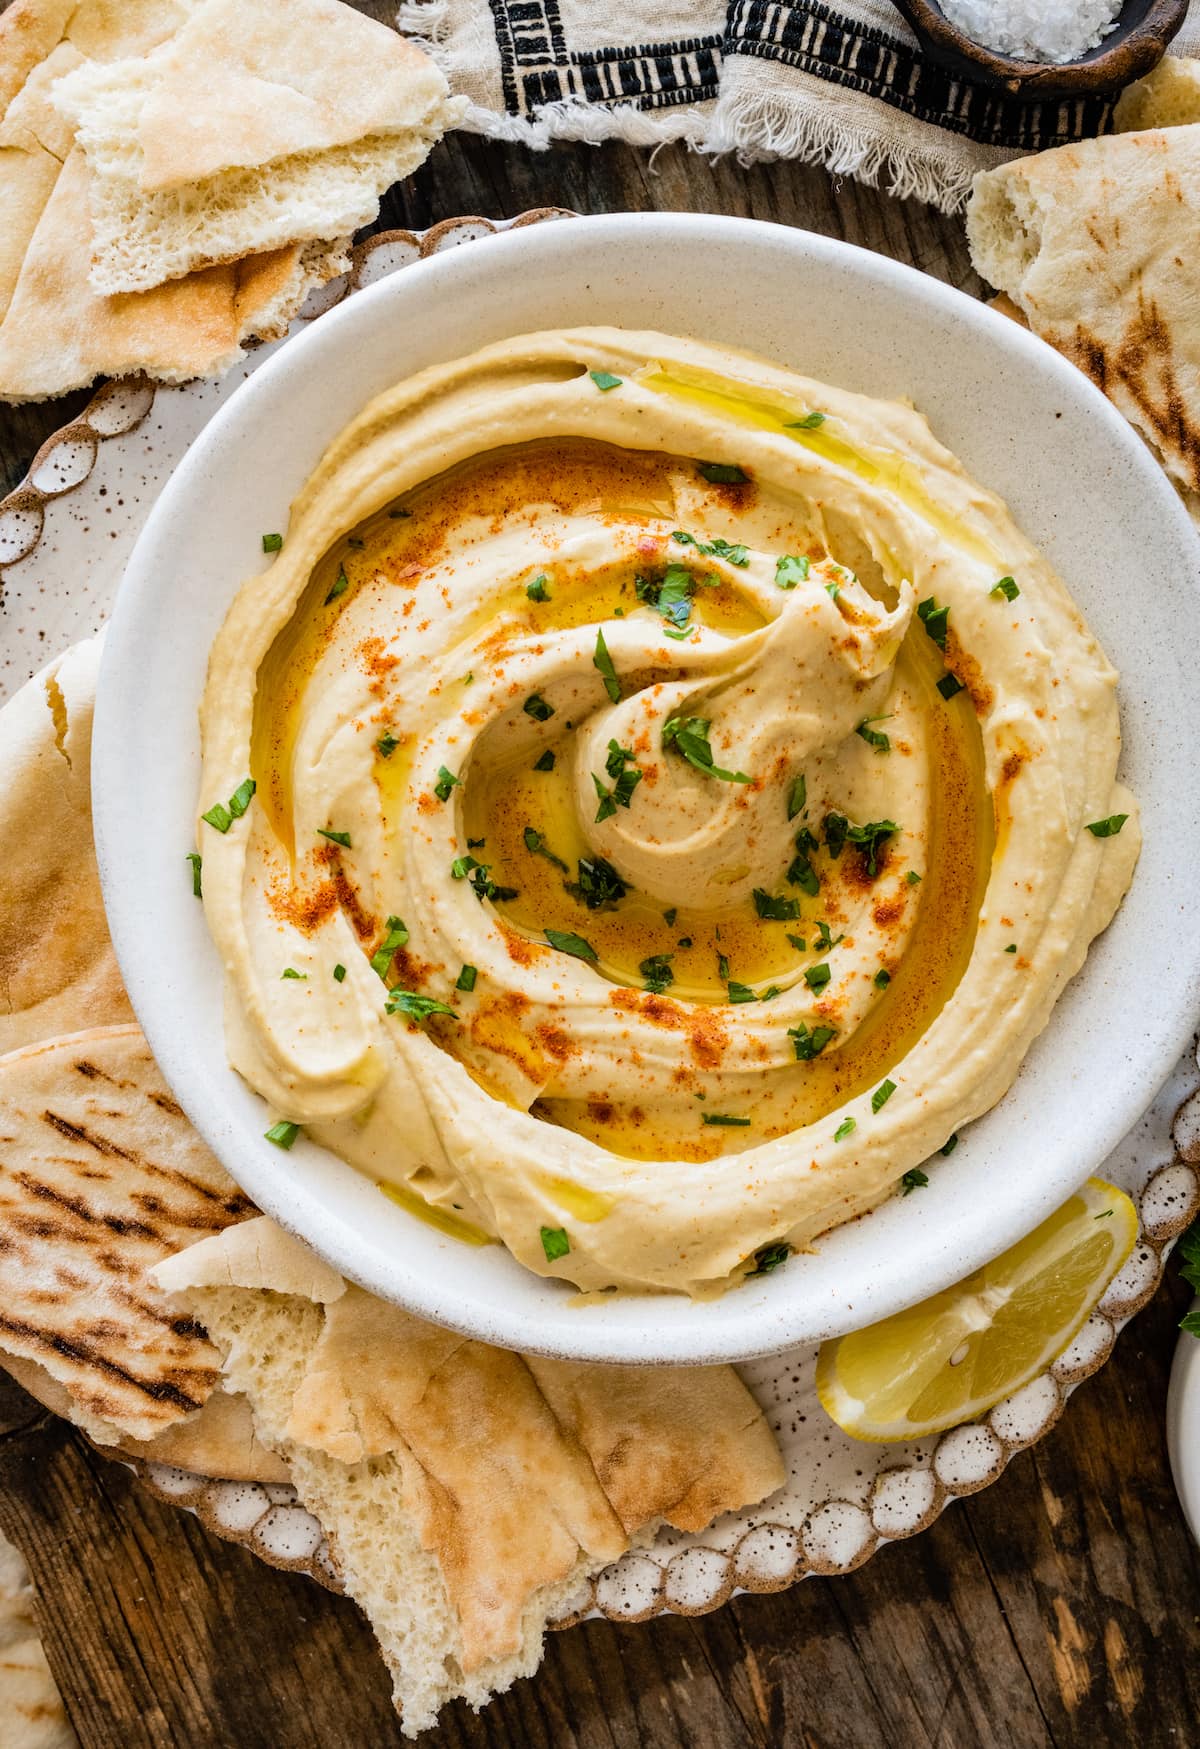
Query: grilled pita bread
x,y
101,1176
1168,97
217,1441
1092,243
58,972
466,1492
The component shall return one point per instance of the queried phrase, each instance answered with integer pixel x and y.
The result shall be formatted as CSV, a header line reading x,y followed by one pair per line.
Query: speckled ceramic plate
x,y
64,536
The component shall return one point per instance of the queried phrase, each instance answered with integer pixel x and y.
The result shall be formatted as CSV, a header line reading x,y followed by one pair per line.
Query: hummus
x,y
651,802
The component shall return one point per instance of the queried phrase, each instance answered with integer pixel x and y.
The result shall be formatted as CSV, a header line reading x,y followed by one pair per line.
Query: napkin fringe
x,y
758,125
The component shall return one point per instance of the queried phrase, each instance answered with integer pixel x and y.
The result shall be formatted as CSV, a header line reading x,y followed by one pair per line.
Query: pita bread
x,y
254,126
427,1457
31,1708
58,972
56,333
101,1176
1091,241
1168,97
218,1440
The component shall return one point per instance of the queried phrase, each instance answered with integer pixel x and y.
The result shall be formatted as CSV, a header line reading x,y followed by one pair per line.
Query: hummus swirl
x,y
672,782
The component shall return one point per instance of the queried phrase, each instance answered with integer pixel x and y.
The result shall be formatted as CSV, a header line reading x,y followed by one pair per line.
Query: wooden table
x,y
1059,1606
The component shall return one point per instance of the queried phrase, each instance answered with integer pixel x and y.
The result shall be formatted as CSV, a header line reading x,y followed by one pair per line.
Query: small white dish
x,y
1022,420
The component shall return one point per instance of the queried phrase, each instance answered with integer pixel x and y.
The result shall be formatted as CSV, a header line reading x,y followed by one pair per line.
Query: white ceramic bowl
x,y
1022,420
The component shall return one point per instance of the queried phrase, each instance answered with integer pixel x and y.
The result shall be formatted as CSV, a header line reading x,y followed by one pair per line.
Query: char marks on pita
x,y
1091,242
101,1176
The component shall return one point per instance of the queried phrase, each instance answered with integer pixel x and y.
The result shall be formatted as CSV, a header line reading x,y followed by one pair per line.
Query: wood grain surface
x,y
1058,1607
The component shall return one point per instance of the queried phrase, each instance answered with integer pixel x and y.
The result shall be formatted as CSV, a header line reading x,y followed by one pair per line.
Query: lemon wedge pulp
x,y
952,1357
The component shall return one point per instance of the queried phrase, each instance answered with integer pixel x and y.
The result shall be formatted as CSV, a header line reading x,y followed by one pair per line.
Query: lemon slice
x,y
950,1358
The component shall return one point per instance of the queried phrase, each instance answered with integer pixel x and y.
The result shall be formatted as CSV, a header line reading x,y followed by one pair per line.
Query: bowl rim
x,y
755,1325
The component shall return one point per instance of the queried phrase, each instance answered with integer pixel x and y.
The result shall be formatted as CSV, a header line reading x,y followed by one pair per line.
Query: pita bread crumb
x,y
31,1708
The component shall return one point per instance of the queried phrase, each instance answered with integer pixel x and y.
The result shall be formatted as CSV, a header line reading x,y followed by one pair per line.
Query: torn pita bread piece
x,y
56,332
1094,243
102,1176
218,1441
465,1501
256,125
31,1708
1169,97
58,972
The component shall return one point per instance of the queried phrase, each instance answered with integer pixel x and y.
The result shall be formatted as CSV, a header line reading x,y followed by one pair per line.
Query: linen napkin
x,y
836,82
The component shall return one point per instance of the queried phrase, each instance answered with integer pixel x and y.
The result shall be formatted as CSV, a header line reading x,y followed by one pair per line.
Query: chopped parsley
x,y
913,878
627,777
395,937
1189,1254
399,515
194,857
797,796
1098,828
657,972
537,846
599,885
740,992
816,977
846,1128
466,978
672,595
912,1180
482,884
415,1007
342,838
809,1043
775,910
283,1134
935,619
722,1120
340,585
555,1243
339,973
537,590
604,662
272,543
874,737
791,569
1006,587
869,839
605,380
769,1257
799,943
882,1094
825,940
949,1145
690,739
722,966
222,817
546,762
386,745
801,872
722,473
536,707
291,972
732,552
810,422
882,978
950,685
445,783
670,916
1011,948
566,942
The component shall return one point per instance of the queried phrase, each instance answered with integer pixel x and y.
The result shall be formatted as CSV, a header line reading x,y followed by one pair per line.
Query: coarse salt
x,y
1031,30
